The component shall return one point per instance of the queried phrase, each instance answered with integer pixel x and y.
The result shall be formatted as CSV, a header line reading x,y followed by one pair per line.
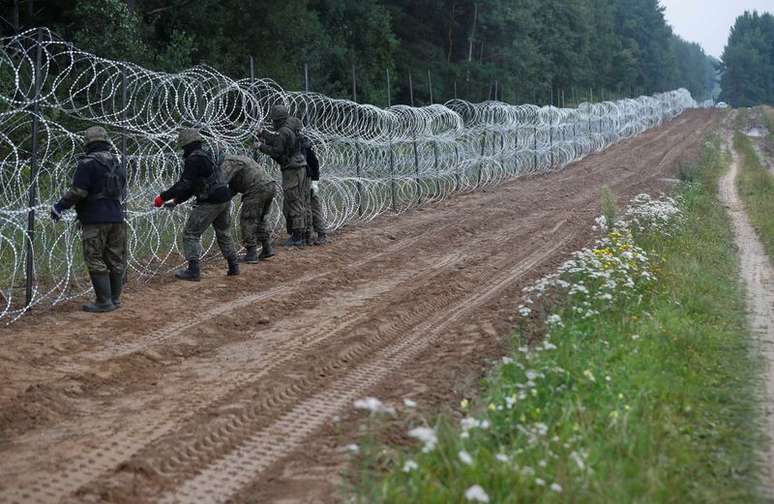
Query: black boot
x,y
192,273
296,239
233,266
101,283
308,238
116,286
322,239
251,255
266,250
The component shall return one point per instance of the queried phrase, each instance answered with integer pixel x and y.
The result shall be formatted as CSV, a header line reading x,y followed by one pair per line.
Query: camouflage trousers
x,y
104,247
253,214
201,217
294,202
314,214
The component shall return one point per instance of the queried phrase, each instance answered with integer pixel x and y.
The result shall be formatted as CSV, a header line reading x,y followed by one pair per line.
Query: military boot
x,y
307,238
116,286
266,250
233,266
296,239
101,284
191,274
251,255
322,239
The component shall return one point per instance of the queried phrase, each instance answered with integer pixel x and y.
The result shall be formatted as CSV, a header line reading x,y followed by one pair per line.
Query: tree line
x,y
748,61
519,51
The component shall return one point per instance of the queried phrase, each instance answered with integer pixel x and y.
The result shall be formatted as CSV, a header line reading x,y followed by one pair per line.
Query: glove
x,y
56,213
315,187
158,202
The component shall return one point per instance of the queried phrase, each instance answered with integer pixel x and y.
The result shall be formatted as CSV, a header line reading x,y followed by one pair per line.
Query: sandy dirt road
x,y
241,389
758,277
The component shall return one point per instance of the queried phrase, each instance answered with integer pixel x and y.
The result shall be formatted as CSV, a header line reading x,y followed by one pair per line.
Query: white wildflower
x,y
476,494
409,403
409,466
556,487
426,435
540,482
554,320
373,405
502,457
465,457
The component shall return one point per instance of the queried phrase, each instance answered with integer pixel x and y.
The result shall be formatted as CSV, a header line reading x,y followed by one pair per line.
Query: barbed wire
x,y
373,160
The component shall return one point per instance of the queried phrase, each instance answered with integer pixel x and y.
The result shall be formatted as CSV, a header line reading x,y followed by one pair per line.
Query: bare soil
x,y
241,389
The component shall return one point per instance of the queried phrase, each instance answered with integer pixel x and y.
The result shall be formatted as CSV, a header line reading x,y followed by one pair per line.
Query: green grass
x,y
756,188
649,401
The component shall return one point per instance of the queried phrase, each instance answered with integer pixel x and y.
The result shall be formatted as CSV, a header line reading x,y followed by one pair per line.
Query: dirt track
x,y
241,389
758,277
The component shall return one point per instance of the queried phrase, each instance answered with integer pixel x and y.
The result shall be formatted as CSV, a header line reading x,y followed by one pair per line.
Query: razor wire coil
x,y
372,160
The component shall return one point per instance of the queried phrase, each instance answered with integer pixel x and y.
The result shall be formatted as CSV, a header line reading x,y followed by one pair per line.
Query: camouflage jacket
x,y
246,176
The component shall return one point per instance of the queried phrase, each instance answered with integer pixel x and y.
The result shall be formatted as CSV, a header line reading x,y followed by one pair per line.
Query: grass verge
x,y
647,397
756,188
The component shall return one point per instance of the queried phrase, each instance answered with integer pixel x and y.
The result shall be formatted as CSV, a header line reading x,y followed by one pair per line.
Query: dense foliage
x,y
514,50
748,61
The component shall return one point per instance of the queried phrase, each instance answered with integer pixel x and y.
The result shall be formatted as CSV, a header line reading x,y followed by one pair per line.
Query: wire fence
x,y
373,160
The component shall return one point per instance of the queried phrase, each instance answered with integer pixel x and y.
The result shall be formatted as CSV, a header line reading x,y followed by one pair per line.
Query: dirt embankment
x,y
241,388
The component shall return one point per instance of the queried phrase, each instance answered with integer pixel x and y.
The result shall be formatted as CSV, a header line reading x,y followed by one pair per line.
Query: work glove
x,y
56,212
158,202
315,187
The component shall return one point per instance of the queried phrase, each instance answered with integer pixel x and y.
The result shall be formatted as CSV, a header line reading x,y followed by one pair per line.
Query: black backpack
x,y
114,177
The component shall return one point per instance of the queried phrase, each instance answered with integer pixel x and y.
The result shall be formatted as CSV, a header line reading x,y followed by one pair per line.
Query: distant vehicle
x,y
722,105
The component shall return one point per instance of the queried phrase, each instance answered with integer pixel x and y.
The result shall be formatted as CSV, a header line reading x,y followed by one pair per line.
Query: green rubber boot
x,y
103,303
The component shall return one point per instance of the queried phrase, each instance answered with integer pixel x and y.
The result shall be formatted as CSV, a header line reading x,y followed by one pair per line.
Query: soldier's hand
x,y
170,205
56,213
315,187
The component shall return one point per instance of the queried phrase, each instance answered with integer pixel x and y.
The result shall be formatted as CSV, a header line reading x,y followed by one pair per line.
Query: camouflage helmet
x,y
279,113
188,136
95,134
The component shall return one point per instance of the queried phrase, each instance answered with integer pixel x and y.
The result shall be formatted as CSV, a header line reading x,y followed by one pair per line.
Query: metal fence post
x,y
124,162
33,192
359,183
416,167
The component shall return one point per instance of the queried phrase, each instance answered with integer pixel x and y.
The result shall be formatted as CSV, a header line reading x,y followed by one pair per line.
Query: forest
x,y
748,61
518,51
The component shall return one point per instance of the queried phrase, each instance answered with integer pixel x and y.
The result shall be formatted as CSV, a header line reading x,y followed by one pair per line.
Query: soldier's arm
x,y
313,164
276,147
79,190
182,190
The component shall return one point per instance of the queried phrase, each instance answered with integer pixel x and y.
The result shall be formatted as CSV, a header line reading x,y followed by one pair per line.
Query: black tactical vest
x,y
214,181
113,183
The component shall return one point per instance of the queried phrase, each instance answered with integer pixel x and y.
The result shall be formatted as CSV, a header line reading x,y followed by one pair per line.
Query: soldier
x,y
99,185
258,189
315,218
202,178
285,148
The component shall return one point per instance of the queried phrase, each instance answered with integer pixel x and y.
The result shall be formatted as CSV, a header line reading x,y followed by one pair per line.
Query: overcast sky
x,y
709,21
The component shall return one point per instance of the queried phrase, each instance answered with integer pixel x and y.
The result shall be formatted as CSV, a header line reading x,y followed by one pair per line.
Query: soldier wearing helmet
x,y
204,179
285,146
98,188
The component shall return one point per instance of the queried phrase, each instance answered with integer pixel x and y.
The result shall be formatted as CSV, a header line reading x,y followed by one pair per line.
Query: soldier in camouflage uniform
x,y
99,185
203,178
258,190
285,148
